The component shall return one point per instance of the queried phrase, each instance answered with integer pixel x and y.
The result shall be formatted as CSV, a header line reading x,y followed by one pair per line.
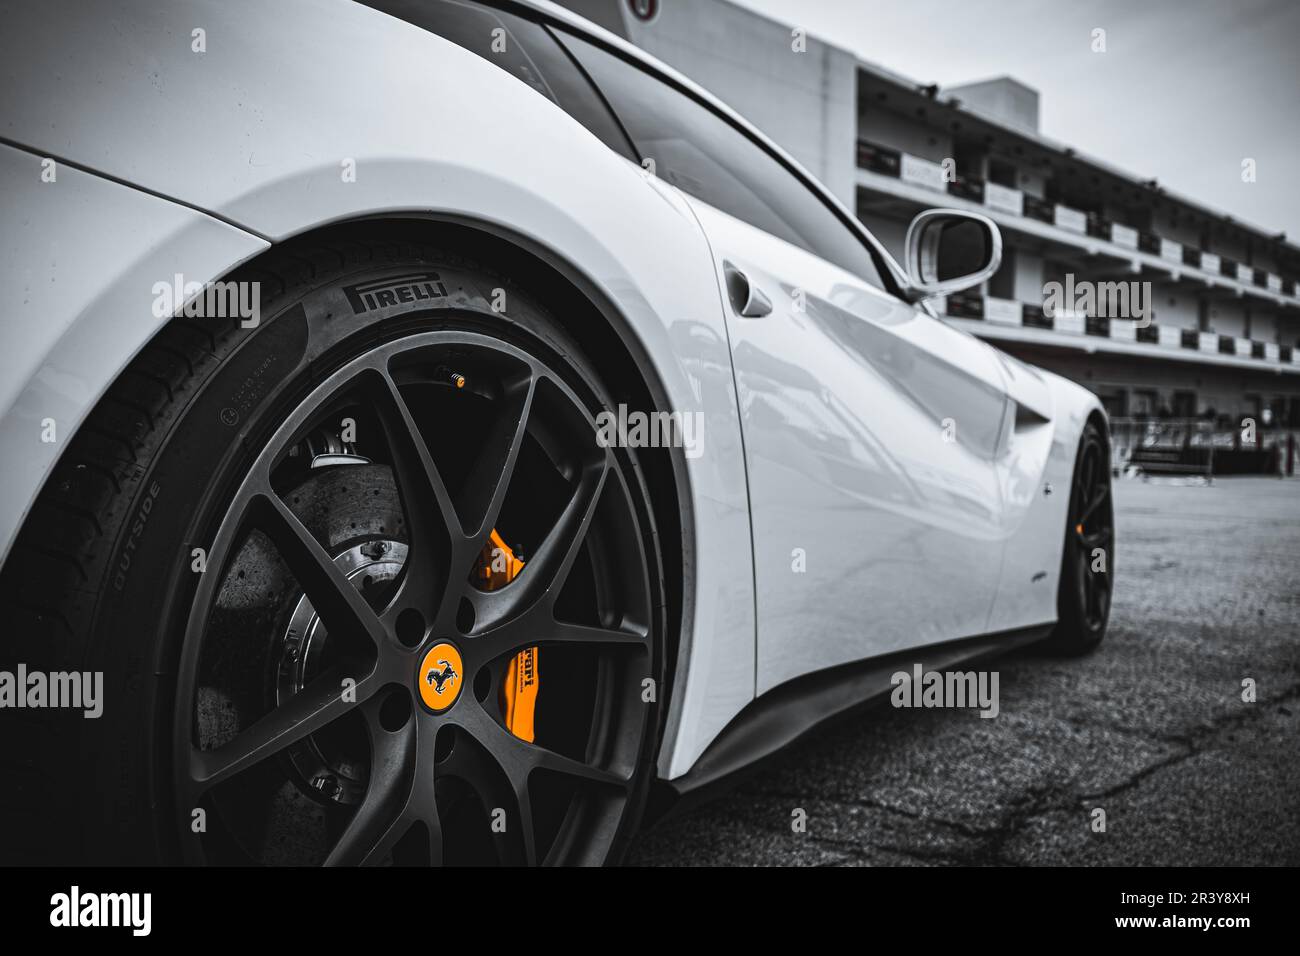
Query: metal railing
x,y
1199,446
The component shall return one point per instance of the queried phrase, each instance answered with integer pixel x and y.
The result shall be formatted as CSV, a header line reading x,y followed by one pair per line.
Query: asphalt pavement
x,y
1151,728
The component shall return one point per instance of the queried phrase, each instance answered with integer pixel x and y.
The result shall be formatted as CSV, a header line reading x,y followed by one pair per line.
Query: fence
x,y
1198,447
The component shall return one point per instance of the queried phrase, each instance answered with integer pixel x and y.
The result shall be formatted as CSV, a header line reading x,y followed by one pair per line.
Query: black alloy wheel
x,y
1087,565
426,771
1093,533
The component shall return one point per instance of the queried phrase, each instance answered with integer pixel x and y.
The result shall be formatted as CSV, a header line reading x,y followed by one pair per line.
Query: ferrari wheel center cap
x,y
440,676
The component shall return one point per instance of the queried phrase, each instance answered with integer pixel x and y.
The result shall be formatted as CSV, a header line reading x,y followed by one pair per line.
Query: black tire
x,y
101,579
1088,558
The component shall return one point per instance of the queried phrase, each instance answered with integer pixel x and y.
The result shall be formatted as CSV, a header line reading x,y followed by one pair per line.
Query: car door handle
x,y
746,298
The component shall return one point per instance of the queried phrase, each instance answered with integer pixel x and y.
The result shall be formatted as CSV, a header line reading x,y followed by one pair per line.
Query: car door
x,y
870,428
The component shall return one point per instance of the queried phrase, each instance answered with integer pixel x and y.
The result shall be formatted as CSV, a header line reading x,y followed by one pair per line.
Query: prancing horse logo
x,y
439,677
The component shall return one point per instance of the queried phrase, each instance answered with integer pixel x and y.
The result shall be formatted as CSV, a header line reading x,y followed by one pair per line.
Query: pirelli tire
x,y
105,573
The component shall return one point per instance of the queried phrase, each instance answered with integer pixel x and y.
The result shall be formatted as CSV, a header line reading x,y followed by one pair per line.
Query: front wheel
x,y
362,583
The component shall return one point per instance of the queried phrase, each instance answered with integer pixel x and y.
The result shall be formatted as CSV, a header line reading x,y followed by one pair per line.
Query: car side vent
x,y
1026,417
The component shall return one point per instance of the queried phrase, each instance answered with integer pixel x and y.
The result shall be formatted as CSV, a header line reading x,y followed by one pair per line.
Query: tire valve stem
x,y
328,785
454,379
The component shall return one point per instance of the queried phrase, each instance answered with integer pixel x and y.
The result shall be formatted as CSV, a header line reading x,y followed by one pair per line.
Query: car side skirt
x,y
784,715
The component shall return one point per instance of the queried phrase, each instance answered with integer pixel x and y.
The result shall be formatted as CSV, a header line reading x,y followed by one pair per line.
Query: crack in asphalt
x,y
1195,742
989,844
1047,800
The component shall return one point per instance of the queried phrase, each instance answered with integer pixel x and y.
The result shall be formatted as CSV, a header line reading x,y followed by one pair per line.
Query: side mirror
x,y
949,250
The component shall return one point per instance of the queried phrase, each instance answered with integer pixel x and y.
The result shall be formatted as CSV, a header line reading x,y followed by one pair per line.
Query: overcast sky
x,y
1184,92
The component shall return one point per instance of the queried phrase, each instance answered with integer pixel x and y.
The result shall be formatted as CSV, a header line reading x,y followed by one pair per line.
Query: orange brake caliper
x,y
498,567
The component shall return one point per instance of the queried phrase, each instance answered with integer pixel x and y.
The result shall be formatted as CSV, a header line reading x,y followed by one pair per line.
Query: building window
x,y
1115,401
1003,173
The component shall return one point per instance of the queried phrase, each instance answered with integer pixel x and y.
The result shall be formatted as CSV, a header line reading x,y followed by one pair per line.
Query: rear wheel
x,y
397,602
1087,564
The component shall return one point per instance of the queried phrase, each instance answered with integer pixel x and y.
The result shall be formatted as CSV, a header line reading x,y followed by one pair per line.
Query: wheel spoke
x,y
1095,538
341,607
409,817
519,758
1094,598
476,767
1082,584
529,837
558,763
558,550
490,476
564,632
1089,472
319,703
545,573
538,627
433,527
1102,494
418,478
499,765
388,793
523,806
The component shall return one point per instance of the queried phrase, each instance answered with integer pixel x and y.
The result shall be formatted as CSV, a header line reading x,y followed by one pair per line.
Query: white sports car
x,y
437,432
